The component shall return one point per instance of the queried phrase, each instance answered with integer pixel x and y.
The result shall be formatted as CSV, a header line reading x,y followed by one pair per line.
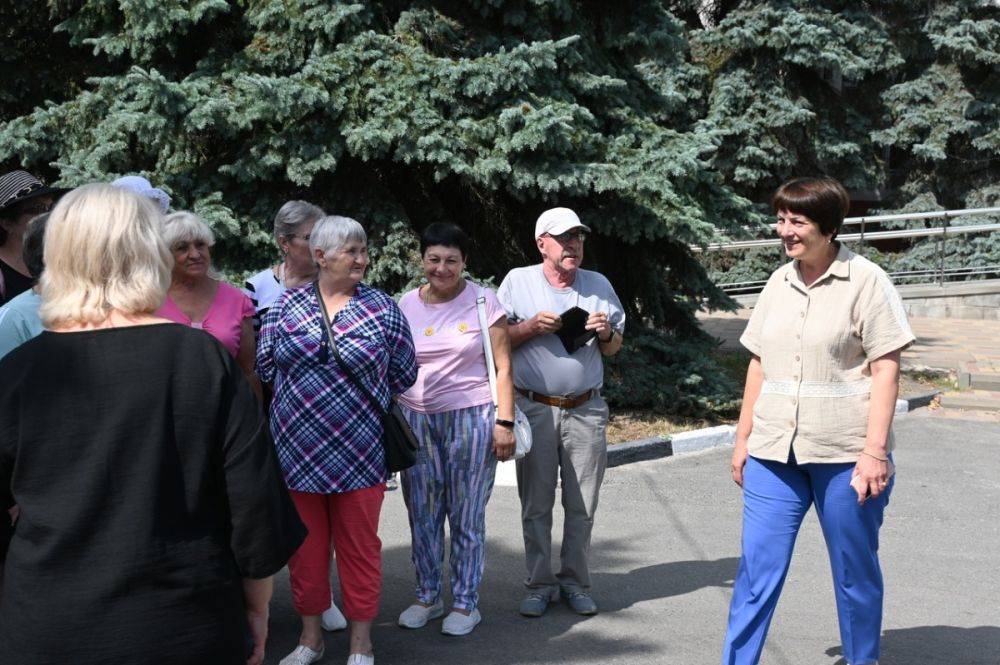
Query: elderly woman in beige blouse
x,y
815,427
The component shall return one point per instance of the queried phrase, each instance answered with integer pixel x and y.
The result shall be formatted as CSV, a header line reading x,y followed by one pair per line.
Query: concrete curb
x,y
917,401
686,442
969,376
668,446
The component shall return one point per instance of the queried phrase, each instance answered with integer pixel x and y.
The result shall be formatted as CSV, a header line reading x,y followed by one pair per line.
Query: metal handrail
x,y
871,235
877,219
733,288
874,219
940,232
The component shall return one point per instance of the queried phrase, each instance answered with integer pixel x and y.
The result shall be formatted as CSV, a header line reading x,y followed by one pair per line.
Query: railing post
x,y
941,248
861,240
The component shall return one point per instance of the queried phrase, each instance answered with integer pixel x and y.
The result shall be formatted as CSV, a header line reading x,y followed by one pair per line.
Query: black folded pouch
x,y
573,333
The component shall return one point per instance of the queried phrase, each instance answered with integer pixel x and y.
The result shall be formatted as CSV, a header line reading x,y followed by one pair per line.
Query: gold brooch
x,y
463,327
428,331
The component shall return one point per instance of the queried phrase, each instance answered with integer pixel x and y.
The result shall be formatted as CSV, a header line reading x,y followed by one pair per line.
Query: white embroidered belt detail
x,y
817,388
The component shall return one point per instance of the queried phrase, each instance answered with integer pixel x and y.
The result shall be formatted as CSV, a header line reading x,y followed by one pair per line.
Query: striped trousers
x,y
452,479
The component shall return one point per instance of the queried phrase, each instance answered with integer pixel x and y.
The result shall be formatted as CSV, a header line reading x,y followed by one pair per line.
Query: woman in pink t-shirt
x,y
198,300
462,435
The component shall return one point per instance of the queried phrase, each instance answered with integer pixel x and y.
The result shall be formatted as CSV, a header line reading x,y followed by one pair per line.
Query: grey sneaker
x,y
580,602
417,615
534,603
459,624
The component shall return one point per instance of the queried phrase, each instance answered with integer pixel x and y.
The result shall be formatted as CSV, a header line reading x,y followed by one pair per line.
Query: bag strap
x,y
484,330
336,353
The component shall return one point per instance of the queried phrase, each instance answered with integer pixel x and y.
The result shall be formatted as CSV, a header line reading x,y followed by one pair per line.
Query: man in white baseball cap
x,y
557,221
563,321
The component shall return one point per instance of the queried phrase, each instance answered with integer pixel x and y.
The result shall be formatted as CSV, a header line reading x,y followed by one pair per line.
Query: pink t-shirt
x,y
224,319
451,365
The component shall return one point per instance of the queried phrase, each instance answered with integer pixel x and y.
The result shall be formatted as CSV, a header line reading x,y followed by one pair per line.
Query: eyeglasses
x,y
569,236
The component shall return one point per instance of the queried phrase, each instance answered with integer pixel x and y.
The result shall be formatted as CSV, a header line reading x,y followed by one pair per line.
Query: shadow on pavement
x,y
505,636
935,645
663,580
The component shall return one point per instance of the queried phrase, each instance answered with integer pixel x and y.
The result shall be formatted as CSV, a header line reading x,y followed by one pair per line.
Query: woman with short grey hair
x,y
292,228
327,430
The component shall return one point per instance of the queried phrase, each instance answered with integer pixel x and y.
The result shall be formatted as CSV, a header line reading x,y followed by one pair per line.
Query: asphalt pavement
x,y
665,551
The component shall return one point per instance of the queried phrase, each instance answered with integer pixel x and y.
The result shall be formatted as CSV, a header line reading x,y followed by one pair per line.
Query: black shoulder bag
x,y
398,441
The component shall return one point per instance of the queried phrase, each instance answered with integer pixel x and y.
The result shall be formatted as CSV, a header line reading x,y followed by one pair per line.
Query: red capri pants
x,y
351,521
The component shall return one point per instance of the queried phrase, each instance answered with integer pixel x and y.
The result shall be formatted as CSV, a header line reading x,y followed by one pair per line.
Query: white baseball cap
x,y
556,221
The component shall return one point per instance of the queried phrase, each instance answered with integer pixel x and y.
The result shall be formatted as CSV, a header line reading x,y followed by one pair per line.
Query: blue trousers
x,y
776,496
452,480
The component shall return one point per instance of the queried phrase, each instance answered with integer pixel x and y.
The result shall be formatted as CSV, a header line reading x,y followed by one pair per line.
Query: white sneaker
x,y
457,623
333,618
303,655
417,616
360,659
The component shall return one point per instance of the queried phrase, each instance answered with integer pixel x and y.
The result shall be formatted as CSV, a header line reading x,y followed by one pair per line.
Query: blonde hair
x,y
184,226
104,251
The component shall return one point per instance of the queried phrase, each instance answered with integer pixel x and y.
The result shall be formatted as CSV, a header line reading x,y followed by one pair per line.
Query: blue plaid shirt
x,y
327,433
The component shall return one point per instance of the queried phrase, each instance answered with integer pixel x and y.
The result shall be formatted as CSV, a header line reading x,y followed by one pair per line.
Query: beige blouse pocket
x,y
833,426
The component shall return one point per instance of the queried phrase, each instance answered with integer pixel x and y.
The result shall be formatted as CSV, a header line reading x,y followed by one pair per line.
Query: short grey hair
x,y
186,226
332,232
293,215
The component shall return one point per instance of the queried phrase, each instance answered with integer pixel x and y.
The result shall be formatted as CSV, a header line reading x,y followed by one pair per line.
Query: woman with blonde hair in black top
x,y
152,509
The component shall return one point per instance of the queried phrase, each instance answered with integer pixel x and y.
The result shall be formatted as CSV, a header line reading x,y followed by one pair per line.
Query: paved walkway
x,y
666,548
941,343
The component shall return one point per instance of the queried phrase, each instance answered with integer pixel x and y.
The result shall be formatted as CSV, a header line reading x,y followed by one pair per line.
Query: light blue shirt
x,y
19,321
541,363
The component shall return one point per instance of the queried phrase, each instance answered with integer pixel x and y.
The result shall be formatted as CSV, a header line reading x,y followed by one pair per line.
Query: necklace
x,y
424,293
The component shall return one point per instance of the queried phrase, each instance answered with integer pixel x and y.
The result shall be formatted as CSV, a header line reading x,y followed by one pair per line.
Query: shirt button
x,y
795,378
802,315
796,358
795,402
798,336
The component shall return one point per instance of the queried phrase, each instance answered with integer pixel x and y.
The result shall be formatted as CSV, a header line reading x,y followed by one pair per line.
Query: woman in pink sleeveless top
x,y
198,300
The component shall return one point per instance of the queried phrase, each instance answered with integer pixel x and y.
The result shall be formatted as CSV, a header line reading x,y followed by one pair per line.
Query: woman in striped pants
x,y
461,433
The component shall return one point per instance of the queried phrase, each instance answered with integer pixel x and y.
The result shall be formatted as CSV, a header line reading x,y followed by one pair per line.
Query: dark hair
x,y
823,200
13,213
446,235
8,216
33,246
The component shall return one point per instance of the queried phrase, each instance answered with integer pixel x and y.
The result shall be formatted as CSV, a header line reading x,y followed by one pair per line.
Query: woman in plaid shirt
x,y
327,433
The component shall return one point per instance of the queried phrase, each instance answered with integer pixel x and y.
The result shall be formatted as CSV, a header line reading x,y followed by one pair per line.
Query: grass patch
x,y
915,381
642,424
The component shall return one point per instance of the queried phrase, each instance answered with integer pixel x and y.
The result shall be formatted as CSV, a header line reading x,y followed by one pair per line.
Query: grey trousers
x,y
571,444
